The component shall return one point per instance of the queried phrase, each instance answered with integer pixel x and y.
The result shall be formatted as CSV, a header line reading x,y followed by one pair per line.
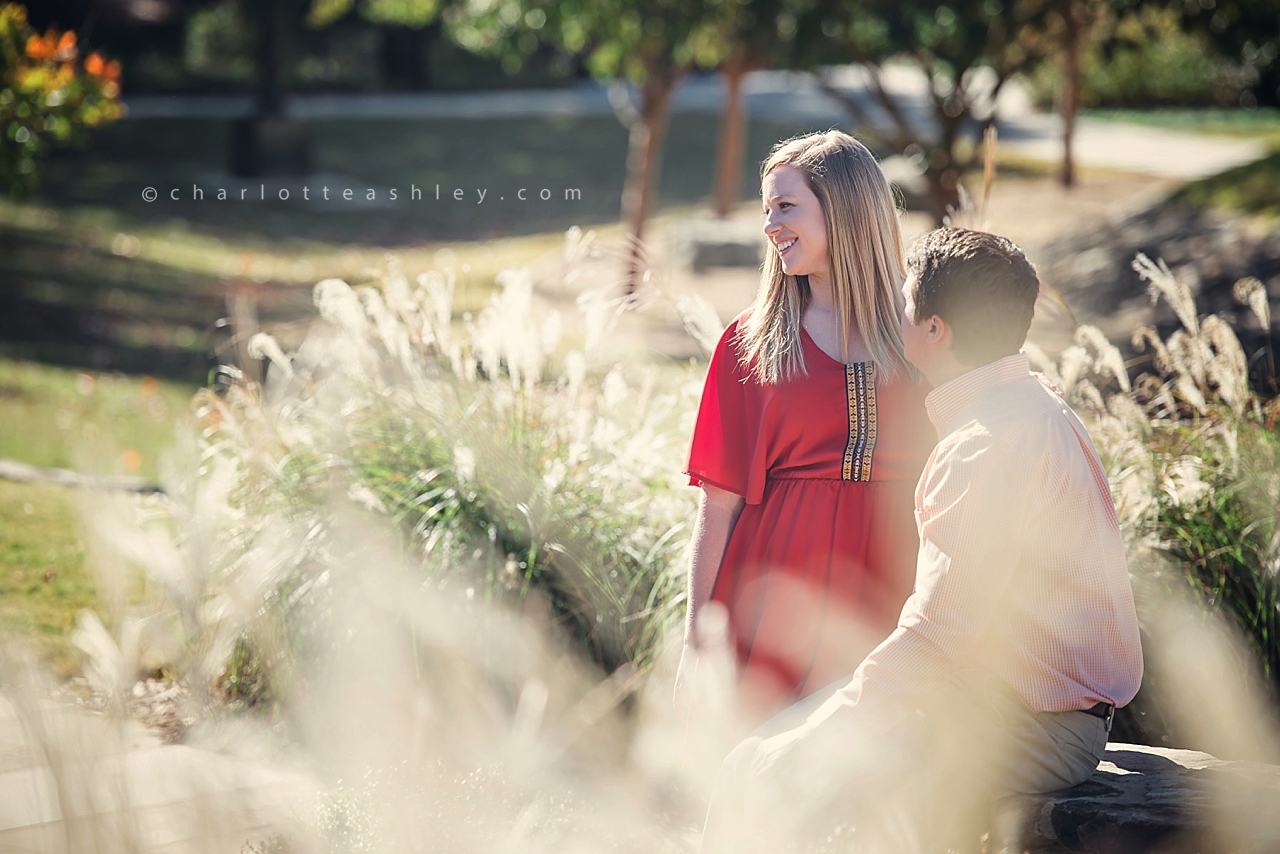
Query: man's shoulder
x,y
969,443
1016,416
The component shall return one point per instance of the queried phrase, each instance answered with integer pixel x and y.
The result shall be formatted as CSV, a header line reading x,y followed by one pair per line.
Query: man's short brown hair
x,y
981,284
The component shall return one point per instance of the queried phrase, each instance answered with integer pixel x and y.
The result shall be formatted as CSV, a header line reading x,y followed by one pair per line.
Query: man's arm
x,y
973,509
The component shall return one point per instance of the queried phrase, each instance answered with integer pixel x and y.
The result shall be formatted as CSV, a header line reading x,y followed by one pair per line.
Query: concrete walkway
x,y
776,95
83,784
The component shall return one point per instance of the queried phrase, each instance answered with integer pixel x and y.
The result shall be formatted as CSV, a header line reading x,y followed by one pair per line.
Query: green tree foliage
x,y
967,52
219,42
1143,58
405,13
1245,29
47,96
409,28
651,43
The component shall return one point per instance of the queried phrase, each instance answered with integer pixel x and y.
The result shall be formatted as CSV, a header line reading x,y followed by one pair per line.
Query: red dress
x,y
823,555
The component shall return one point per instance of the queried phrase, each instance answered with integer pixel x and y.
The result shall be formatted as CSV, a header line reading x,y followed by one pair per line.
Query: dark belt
x,y
1106,711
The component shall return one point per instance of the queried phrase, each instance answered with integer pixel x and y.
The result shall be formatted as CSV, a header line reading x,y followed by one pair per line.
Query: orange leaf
x,y
67,45
39,48
131,459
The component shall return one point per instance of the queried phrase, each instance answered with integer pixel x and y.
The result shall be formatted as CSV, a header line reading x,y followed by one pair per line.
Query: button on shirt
x,y
1021,568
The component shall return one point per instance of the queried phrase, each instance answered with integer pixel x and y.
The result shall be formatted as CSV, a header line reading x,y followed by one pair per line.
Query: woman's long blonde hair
x,y
865,245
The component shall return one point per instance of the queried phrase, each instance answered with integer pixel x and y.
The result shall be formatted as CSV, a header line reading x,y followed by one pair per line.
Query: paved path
x,y
1131,148
776,95
126,792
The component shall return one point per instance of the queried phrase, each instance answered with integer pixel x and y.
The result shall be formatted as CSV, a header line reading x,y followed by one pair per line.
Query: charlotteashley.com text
x,y
338,195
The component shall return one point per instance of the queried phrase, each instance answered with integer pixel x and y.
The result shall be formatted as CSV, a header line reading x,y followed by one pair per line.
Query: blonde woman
x,y
810,435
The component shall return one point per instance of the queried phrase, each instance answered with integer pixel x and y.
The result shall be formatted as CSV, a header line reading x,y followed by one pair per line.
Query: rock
x,y
704,243
1150,799
1208,250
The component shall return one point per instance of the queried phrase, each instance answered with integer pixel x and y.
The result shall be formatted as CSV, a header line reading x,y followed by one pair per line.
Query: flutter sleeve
x,y
725,449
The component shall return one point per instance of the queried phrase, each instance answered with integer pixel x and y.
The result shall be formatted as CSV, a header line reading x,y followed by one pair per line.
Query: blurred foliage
x,y
1225,540
1144,58
1247,31
46,96
219,43
620,38
1253,188
967,51
762,33
407,13
651,43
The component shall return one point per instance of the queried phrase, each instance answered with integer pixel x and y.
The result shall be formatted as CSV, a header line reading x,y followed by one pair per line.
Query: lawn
x,y
44,581
108,423
1261,122
1253,188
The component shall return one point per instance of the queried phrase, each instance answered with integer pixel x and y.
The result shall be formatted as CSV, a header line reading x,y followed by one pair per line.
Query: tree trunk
x,y
644,163
269,142
733,139
942,174
406,56
1070,93
944,194
271,77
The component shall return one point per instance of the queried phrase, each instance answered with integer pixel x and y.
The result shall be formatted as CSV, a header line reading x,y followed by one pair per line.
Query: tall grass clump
x,y
1194,459
439,553
509,471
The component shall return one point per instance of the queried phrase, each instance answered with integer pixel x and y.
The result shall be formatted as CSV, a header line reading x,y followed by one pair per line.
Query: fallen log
x,y
26,473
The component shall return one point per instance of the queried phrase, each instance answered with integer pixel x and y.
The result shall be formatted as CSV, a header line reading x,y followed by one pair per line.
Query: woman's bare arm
x,y
718,511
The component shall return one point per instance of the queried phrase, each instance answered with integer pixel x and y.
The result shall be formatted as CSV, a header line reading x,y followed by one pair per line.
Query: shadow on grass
x,y
1253,188
500,156
79,296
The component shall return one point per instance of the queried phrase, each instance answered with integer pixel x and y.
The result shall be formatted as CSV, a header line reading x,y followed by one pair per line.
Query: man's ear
x,y
937,331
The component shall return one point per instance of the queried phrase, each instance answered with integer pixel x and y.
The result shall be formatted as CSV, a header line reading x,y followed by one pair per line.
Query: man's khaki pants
x,y
926,785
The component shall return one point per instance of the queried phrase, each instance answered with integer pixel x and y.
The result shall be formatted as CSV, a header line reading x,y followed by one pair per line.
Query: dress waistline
x,y
774,478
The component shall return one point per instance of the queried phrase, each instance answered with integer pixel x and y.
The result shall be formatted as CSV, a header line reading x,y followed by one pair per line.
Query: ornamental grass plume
x,y
555,483
1253,293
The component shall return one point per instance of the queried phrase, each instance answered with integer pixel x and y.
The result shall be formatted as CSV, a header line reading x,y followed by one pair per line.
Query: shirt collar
x,y
950,399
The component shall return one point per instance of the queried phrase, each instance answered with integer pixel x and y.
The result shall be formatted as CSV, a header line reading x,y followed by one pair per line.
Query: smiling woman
x,y
792,211
810,435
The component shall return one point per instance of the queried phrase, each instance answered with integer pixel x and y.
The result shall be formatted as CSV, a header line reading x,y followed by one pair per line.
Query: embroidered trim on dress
x,y
860,391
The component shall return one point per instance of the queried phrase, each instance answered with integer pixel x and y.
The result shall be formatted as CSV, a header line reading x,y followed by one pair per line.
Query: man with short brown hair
x,y
1020,638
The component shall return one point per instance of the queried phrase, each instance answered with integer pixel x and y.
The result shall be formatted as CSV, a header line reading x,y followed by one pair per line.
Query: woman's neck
x,y
823,325
821,293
